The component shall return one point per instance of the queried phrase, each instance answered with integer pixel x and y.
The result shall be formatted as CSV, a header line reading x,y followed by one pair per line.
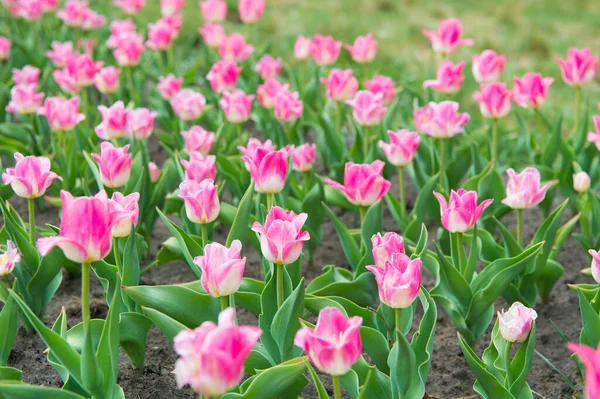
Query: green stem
x,y
31,206
461,252
398,320
402,193
85,295
494,139
84,94
577,107
131,84
507,353
442,155
363,213
149,267
204,235
280,272
337,387
118,262
225,303
270,201
520,227
366,144
338,118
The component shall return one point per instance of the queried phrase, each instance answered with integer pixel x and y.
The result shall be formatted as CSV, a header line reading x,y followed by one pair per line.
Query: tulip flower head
x,y
60,53
288,107
188,104
201,200
495,101
24,99
450,78
448,37
441,120
9,258
364,184
140,123
128,49
222,268
127,206
524,190
367,108
30,177
213,11
580,67
169,86
269,91
115,121
200,167
398,281
154,172
161,35
4,48
131,7
212,34
364,49
516,323
251,11
384,85
223,76
268,168
591,362
581,182
325,50
402,149
302,48
198,139
595,137
531,90
488,66
237,105
384,247
303,157
62,114
341,85
28,75
234,48
462,212
107,80
595,265
269,67
169,8
114,164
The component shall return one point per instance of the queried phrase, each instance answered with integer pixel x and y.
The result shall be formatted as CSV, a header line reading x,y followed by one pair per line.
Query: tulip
x,y
131,7
494,100
450,78
269,67
188,104
398,281
251,11
169,86
234,48
211,357
341,85
448,37
154,172
114,164
591,362
77,74
213,10
368,108
595,137
334,345
62,114
302,48
461,213
160,35
30,177
107,80
92,21
441,120
488,66
140,123
269,91
115,121
237,106
288,107
4,48
268,168
174,23
9,259
169,8
129,49
24,100
74,13
531,90
222,269
200,167
580,67
384,85
384,247
128,208
201,200
325,50
223,76
364,184
118,29
60,53
28,75
213,35
197,139
402,148
595,265
516,323
581,182
364,49
254,149
303,157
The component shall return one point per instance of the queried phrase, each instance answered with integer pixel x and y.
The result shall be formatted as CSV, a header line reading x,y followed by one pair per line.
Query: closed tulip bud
x,y
213,10
154,172
382,85
580,67
201,200
402,148
131,7
222,268
62,114
251,11
364,184
334,345
591,362
114,164
450,78
212,34
281,237
325,50
200,167
341,85
60,53
24,100
302,48
461,213
115,121
128,207
384,247
288,107
524,190
495,101
516,324
237,106
198,139
30,177
269,91
269,67
4,48
107,80
581,182
140,123
398,281
268,169
234,48
448,37
364,49
223,76
531,90
367,108
211,357
9,259
595,265
188,104
488,66
303,157
169,86
28,75
441,120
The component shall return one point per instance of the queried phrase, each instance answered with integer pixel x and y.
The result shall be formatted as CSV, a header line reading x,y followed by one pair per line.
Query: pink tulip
x,y
62,114
169,86
386,246
211,358
30,177
128,207
448,37
74,13
516,324
495,101
49,6
461,213
580,67
115,121
368,108
595,265
223,76
402,147
237,106
85,228
288,107
268,168
201,200
114,164
523,189
131,7
200,167
450,78
384,85
488,66
269,91
213,35
107,80
87,46
129,49
154,172
303,157
198,139
24,100
581,182
222,268
341,85
253,148
334,345
234,48
30,10
269,67
364,184
251,11
595,137
140,123
28,75
364,49
169,8
4,48
398,281
188,104
302,48
281,237
9,259
60,53
441,120
213,11
92,21
591,362
531,90
77,74
160,35
325,50
119,29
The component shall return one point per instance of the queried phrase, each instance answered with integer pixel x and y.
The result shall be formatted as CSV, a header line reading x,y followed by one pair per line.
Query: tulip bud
x,y
595,265
128,207
384,247
398,281
461,213
364,184
581,182
114,164
30,177
523,189
303,157
448,37
402,149
9,259
580,67
154,172
201,200
516,324
222,268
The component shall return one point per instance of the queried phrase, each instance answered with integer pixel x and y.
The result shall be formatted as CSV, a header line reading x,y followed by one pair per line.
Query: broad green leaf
x,y
168,326
349,245
241,223
318,384
133,329
19,390
286,324
189,246
9,325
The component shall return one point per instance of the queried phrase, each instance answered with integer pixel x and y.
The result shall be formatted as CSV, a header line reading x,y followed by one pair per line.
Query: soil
x,y
450,376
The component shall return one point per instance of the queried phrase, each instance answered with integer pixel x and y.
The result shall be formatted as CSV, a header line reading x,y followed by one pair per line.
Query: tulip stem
x,y
129,74
280,272
363,213
398,319
442,155
118,262
520,227
225,303
31,206
402,194
461,253
85,295
204,235
270,201
507,353
577,107
366,144
494,139
337,387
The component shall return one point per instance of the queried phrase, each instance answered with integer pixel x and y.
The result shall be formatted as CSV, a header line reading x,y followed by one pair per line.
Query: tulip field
x,y
226,199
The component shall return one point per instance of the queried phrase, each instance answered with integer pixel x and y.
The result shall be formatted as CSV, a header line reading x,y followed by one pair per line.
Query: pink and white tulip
x,y
119,28
364,184
269,67
107,80
160,35
188,104
590,358
169,8
462,212
384,85
114,164
30,177
9,259
524,190
398,281
213,11
234,48
60,53
531,90
516,323
62,114
222,268
450,78
169,86
154,171
198,139
4,48
441,120
127,206
402,148
253,148
28,75
236,105
129,48
580,67
140,123
367,108
488,66
341,84
130,7
364,49
269,91
251,11
268,168
495,100
115,121
595,137
77,74
24,100
448,37
200,167
201,200
325,50
212,34
302,48
223,76
595,267
581,182
288,107
384,247
303,157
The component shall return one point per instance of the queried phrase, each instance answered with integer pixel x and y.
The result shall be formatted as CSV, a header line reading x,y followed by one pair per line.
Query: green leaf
x,y
321,391
168,326
189,246
10,374
376,345
133,329
286,321
371,225
46,280
241,223
19,390
90,372
108,347
349,245
521,363
9,325
402,364
131,267
590,333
